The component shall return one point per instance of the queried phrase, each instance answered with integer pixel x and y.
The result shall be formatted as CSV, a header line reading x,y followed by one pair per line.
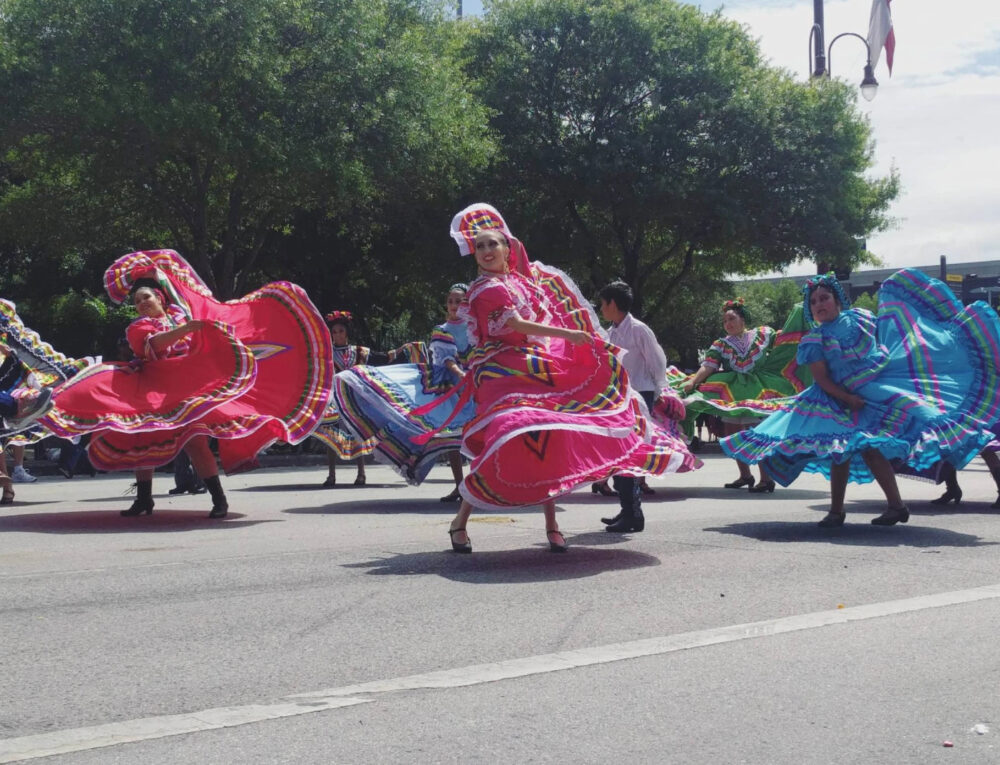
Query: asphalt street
x,y
336,626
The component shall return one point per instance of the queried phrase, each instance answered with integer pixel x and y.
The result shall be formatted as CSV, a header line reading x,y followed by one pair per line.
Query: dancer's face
x,y
733,323
824,305
455,298
491,252
147,302
338,333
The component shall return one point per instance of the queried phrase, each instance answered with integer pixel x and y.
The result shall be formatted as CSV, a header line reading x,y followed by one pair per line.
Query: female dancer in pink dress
x,y
248,372
553,406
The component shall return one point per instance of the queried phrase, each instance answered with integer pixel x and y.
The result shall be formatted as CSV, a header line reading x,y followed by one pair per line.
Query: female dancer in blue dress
x,y
378,403
913,386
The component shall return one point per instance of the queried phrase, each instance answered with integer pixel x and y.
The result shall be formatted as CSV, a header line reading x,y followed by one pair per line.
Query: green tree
x,y
645,139
82,325
212,126
866,300
769,302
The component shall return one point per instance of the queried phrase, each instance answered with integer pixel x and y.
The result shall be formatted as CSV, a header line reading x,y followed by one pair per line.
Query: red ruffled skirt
x,y
258,373
550,419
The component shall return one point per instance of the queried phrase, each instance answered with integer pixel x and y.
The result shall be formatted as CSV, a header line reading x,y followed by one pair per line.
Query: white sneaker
x,y
20,475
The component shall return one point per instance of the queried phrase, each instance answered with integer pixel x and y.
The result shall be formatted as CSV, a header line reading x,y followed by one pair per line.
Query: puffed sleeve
x,y
767,335
492,307
138,334
810,348
713,356
443,347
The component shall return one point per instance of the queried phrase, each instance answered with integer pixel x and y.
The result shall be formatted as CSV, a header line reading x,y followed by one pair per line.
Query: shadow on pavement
x,y
430,506
735,495
524,566
110,522
681,493
318,486
925,509
857,531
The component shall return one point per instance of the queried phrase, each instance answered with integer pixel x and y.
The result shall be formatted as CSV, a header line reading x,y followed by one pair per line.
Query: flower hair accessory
x,y
737,306
827,281
339,316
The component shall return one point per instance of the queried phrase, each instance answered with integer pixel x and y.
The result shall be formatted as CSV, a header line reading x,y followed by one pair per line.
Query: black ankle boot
x,y
953,492
143,500
629,495
220,507
635,521
611,521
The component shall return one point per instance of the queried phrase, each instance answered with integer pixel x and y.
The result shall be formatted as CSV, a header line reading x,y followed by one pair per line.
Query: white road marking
x,y
128,731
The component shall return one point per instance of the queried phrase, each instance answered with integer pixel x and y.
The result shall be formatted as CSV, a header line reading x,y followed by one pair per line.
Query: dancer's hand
x,y
854,402
195,325
578,336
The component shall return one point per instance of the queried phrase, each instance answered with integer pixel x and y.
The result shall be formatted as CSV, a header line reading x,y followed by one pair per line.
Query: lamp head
x,y
869,85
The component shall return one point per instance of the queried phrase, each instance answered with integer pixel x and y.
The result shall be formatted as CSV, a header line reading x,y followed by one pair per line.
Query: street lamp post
x,y
817,54
820,58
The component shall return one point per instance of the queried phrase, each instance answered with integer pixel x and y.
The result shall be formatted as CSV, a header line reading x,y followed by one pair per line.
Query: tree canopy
x,y
212,126
329,142
647,140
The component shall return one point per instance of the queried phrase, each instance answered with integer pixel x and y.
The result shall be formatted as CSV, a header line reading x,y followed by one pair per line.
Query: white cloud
x,y
935,119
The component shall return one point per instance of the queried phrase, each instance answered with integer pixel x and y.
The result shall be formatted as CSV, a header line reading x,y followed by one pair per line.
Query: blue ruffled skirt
x,y
930,397
378,403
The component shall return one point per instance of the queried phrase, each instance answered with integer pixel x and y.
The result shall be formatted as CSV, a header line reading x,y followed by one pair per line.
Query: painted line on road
x,y
145,729
130,731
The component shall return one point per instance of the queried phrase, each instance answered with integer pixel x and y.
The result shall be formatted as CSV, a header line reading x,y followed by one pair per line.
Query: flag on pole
x,y
880,33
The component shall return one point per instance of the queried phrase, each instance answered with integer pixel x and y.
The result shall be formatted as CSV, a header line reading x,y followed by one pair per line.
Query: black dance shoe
x,y
628,523
139,507
741,482
892,516
832,521
952,495
460,547
603,489
553,545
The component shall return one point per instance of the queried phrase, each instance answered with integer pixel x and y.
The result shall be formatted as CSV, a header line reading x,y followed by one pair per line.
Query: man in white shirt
x,y
646,365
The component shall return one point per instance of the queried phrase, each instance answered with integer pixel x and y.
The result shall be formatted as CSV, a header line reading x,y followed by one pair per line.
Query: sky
x,y
936,119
